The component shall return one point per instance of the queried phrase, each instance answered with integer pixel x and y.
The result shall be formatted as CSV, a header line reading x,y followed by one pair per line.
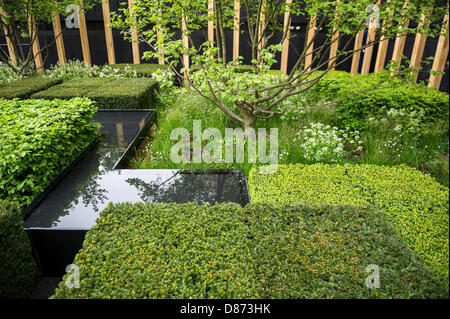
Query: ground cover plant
x,y
107,92
18,268
38,139
257,251
415,204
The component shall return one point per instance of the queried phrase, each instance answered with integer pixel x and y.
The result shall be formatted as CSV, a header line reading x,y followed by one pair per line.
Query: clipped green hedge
x,y
109,93
18,269
415,204
39,138
24,88
144,70
393,94
258,251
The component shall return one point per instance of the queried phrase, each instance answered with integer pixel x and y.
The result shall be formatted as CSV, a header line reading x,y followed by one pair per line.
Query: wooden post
x,y
262,20
84,38
334,45
39,63
309,38
236,28
108,32
441,56
357,55
185,44
158,38
134,35
210,21
286,28
59,39
371,33
400,41
381,54
419,47
9,43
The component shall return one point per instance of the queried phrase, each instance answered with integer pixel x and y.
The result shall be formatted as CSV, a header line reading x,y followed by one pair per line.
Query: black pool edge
x,y
121,162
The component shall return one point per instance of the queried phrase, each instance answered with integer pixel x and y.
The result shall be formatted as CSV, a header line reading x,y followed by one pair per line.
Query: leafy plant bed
x,y
109,93
24,88
144,70
256,251
416,205
38,139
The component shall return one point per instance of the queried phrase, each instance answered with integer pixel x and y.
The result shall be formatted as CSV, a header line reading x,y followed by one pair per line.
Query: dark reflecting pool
x,y
58,223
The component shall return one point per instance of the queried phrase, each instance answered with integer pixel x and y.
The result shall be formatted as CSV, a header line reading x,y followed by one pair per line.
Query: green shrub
x,y
259,251
415,204
17,266
25,87
144,70
109,93
393,94
39,138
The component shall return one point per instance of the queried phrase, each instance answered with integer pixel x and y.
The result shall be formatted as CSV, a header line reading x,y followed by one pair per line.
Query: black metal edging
x,y
58,178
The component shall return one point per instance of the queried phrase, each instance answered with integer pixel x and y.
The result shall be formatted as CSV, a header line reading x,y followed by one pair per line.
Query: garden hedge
x,y
38,139
109,93
393,94
18,269
258,251
144,70
24,88
415,204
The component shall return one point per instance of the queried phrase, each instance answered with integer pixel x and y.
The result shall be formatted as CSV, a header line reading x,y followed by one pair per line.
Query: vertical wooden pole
x,y
381,53
236,28
309,38
419,47
185,44
440,57
210,20
84,38
39,63
334,45
262,22
108,32
158,39
59,39
134,35
286,28
371,33
400,41
9,43
357,55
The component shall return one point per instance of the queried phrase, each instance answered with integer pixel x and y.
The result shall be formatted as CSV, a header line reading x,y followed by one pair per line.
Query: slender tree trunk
x,y
248,118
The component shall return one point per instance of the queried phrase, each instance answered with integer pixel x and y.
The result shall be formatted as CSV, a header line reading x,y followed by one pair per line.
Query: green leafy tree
x,y
19,20
248,96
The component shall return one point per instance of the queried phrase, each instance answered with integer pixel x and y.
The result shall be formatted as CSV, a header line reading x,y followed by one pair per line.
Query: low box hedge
x,y
415,204
38,139
258,251
24,88
108,93
144,70
19,273
393,94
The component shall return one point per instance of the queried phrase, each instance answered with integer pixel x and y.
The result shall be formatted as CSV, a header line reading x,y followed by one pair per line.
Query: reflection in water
x,y
75,203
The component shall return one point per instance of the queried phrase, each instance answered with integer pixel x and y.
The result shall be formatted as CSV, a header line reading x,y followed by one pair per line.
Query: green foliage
x,y
17,266
39,138
415,204
109,93
24,88
143,70
258,251
394,94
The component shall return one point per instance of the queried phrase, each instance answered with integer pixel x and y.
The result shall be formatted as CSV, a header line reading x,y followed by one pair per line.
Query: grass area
x,y
258,251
